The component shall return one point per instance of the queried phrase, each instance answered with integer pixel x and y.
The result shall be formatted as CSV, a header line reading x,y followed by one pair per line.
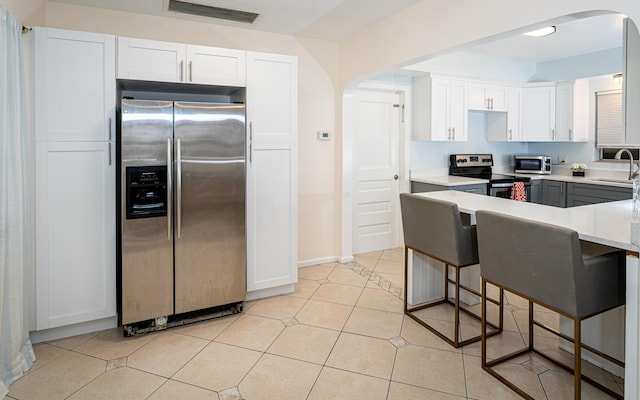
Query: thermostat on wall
x,y
324,135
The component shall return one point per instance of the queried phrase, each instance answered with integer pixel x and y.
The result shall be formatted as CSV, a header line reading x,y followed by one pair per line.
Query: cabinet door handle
x,y
109,128
553,134
453,133
169,187
570,134
181,71
190,71
510,134
109,153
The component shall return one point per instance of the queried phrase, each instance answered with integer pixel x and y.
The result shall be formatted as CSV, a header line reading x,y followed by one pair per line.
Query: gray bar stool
x,y
548,265
434,228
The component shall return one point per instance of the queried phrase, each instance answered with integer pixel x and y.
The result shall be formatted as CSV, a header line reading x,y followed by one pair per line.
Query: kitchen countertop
x,y
604,223
452,181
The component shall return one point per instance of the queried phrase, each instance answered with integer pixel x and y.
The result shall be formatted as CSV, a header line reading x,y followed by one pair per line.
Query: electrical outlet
x,y
562,159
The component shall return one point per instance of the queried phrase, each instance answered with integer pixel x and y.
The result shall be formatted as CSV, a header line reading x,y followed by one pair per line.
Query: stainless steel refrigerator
x,y
183,242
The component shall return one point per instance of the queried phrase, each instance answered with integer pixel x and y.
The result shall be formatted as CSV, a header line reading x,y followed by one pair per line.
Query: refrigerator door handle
x,y
169,188
250,142
178,188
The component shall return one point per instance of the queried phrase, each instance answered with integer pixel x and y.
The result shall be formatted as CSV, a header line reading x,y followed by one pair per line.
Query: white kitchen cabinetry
x,y
174,62
572,107
514,111
75,233
75,92
538,113
272,196
440,106
487,97
75,177
506,126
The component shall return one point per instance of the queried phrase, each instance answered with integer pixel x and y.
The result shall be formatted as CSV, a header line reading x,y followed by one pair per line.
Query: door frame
x,y
348,137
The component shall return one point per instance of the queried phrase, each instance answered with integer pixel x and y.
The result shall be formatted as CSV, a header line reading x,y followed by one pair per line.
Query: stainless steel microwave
x,y
533,164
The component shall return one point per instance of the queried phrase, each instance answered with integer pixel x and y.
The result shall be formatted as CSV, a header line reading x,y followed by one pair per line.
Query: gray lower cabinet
x,y
580,194
536,191
420,187
554,193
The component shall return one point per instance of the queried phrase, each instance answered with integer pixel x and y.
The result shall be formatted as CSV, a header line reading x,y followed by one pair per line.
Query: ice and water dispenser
x,y
146,192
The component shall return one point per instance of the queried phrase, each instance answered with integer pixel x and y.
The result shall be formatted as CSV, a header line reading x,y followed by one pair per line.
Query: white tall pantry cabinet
x,y
75,177
272,195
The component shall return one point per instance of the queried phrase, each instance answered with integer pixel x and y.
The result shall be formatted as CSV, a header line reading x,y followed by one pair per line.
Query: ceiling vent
x,y
210,11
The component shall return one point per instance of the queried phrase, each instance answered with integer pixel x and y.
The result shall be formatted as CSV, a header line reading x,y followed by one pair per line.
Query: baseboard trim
x,y
73,330
346,259
316,261
270,292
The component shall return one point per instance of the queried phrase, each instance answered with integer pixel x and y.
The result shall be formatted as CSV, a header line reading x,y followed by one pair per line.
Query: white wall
x,y
583,66
29,12
480,66
318,76
436,154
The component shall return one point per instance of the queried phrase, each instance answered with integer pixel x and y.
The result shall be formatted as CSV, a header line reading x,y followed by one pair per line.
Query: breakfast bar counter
x,y
605,223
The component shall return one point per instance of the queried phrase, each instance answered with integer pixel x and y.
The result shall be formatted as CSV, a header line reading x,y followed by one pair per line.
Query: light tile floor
x,y
341,335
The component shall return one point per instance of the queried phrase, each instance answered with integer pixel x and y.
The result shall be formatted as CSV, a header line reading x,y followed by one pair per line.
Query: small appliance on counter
x,y
533,165
479,166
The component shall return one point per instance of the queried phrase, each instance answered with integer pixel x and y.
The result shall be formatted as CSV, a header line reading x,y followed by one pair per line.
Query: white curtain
x,y
16,353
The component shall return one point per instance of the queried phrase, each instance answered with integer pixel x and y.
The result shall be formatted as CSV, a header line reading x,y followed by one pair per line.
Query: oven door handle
x,y
501,185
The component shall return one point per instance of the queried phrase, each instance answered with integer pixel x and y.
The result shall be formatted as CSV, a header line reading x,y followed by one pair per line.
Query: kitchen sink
x,y
611,180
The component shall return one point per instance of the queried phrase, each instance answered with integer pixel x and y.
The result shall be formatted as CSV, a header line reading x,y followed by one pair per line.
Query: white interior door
x,y
376,217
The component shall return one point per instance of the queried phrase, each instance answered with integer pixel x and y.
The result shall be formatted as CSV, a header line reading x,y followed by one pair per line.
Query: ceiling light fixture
x,y
542,32
617,78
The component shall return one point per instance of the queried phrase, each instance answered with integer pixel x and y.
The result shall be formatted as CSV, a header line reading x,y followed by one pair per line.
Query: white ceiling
x,y
337,19
572,37
321,19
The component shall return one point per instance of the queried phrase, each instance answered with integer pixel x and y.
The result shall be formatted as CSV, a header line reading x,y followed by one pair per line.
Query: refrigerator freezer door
x,y
147,240
210,239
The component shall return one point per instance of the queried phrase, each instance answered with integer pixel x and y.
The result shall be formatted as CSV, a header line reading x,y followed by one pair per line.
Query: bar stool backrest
x,y
545,263
434,227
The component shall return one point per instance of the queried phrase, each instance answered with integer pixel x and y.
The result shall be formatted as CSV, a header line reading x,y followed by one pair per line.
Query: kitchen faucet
x,y
618,156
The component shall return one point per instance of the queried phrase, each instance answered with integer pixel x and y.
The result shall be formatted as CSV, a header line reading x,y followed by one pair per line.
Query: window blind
x,y
609,127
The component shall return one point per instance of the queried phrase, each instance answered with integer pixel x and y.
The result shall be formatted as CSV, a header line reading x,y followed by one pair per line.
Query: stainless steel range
x,y
480,166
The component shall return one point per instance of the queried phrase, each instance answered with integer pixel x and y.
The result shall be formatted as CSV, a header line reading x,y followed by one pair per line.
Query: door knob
x,y
395,177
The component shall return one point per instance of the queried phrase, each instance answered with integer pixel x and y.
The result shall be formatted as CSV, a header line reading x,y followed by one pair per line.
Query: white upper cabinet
x,y
272,194
487,97
538,113
514,111
440,109
75,84
214,65
506,126
555,112
572,108
174,62
150,60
